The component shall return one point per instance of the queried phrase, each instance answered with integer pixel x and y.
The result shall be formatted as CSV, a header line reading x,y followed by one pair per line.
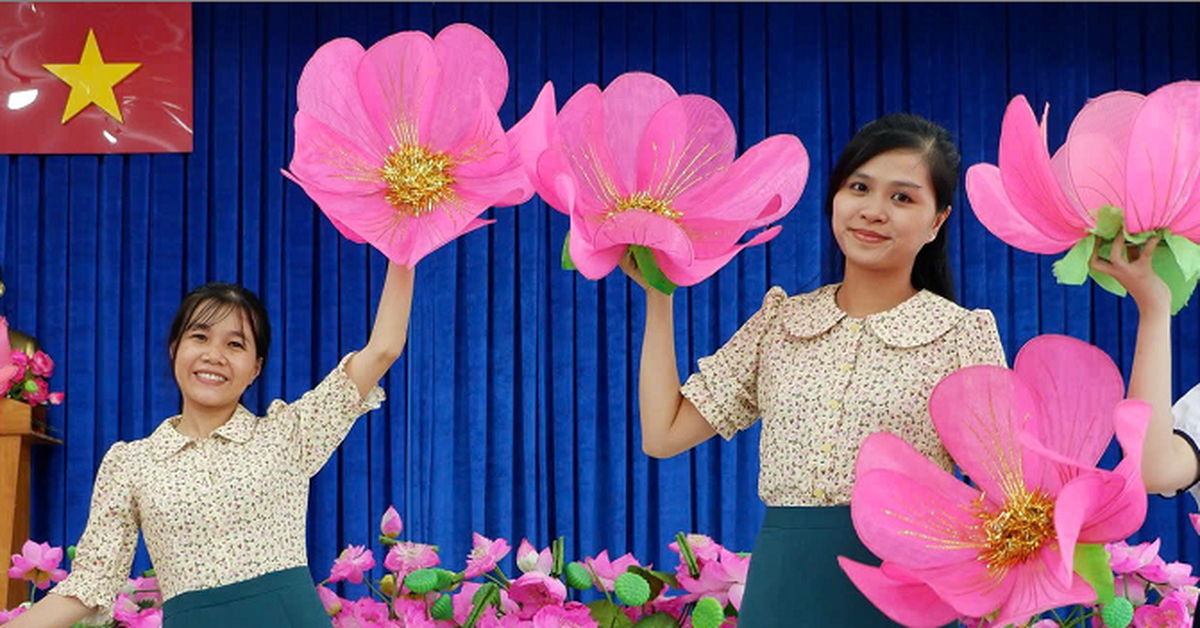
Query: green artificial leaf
x,y
609,615
1092,564
1109,222
567,264
650,270
1072,268
1166,265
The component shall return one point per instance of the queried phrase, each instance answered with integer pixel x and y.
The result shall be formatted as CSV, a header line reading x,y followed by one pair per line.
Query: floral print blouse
x,y
216,510
823,381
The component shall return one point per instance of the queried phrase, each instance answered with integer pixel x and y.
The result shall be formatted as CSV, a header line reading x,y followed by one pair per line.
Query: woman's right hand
x,y
630,268
1136,273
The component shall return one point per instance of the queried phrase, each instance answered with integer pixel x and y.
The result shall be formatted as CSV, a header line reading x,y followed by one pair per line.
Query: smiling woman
x,y
216,491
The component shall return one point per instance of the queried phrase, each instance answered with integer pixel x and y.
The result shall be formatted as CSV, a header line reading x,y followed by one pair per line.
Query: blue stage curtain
x,y
513,411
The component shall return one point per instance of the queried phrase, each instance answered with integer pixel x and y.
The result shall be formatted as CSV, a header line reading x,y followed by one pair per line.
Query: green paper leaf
x,y
609,615
650,270
657,579
1109,222
1072,269
567,264
1139,239
1187,254
1167,267
657,620
1092,564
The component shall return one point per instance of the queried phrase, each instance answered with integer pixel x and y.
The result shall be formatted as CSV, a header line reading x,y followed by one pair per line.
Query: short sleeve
x,y
725,388
320,419
104,554
979,342
1186,413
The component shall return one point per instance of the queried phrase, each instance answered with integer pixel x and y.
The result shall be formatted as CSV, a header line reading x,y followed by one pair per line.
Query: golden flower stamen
x,y
645,202
418,179
1019,531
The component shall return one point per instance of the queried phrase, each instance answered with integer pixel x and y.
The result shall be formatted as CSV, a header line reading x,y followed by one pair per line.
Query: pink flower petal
x,y
900,595
467,57
332,200
630,101
328,91
703,268
592,262
1096,148
398,81
1162,174
1078,386
530,136
1029,179
991,205
774,167
687,141
979,412
580,136
326,160
1035,590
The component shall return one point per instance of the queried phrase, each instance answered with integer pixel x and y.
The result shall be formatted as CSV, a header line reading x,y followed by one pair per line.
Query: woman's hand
x,y
1135,271
630,268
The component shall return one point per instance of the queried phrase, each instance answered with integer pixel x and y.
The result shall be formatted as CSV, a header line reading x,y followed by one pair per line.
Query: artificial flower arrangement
x,y
1130,167
24,377
1036,537
415,592
137,605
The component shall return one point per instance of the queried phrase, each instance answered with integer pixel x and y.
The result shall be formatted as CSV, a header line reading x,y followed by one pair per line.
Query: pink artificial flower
x,y
723,579
7,616
144,588
39,395
124,608
1125,558
41,364
1029,439
529,559
351,564
638,164
55,398
1123,150
703,548
1195,519
484,556
148,618
1131,587
607,571
413,613
1171,612
362,613
391,525
1174,575
463,603
38,563
534,590
330,600
405,558
571,615
400,145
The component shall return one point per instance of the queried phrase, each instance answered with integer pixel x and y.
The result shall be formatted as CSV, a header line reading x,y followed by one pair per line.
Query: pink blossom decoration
x,y
405,558
637,165
1006,547
529,559
485,555
572,615
534,590
400,144
38,563
351,564
391,525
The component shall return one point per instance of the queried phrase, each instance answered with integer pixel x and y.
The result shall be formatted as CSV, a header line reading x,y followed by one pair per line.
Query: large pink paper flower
x,y
1124,151
637,164
400,145
405,558
38,563
1029,440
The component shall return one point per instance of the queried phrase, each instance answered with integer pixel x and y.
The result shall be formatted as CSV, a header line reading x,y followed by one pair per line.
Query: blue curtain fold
x,y
513,411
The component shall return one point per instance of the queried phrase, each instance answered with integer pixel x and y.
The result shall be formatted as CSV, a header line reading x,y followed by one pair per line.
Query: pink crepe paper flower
x,y
1174,575
639,165
362,613
608,571
1029,439
38,563
1171,612
405,558
484,556
463,603
391,525
351,564
41,364
1125,558
330,600
1133,153
571,615
534,590
704,548
723,579
400,144
529,559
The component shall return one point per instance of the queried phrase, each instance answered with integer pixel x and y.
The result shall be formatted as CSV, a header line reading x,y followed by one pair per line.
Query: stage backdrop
x,y
513,411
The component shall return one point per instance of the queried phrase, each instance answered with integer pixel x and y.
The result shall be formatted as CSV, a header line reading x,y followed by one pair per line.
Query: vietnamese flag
x,y
103,77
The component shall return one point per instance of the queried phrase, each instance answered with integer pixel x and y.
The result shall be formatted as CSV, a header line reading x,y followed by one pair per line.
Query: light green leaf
x,y
1109,222
1166,265
1187,254
650,270
1092,564
1072,269
567,264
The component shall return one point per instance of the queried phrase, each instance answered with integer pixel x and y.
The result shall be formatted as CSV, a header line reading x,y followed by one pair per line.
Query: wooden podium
x,y
18,434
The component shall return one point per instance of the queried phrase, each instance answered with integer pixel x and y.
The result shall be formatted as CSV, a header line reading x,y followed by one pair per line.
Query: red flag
x,y
102,77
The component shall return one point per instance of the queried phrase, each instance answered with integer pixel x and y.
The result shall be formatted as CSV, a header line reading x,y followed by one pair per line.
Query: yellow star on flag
x,y
91,80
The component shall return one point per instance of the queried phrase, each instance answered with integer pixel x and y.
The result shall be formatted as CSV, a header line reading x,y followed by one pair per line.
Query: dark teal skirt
x,y
795,580
280,599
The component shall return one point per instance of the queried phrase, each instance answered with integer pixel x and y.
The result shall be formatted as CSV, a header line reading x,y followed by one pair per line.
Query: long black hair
x,y
214,301
899,131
